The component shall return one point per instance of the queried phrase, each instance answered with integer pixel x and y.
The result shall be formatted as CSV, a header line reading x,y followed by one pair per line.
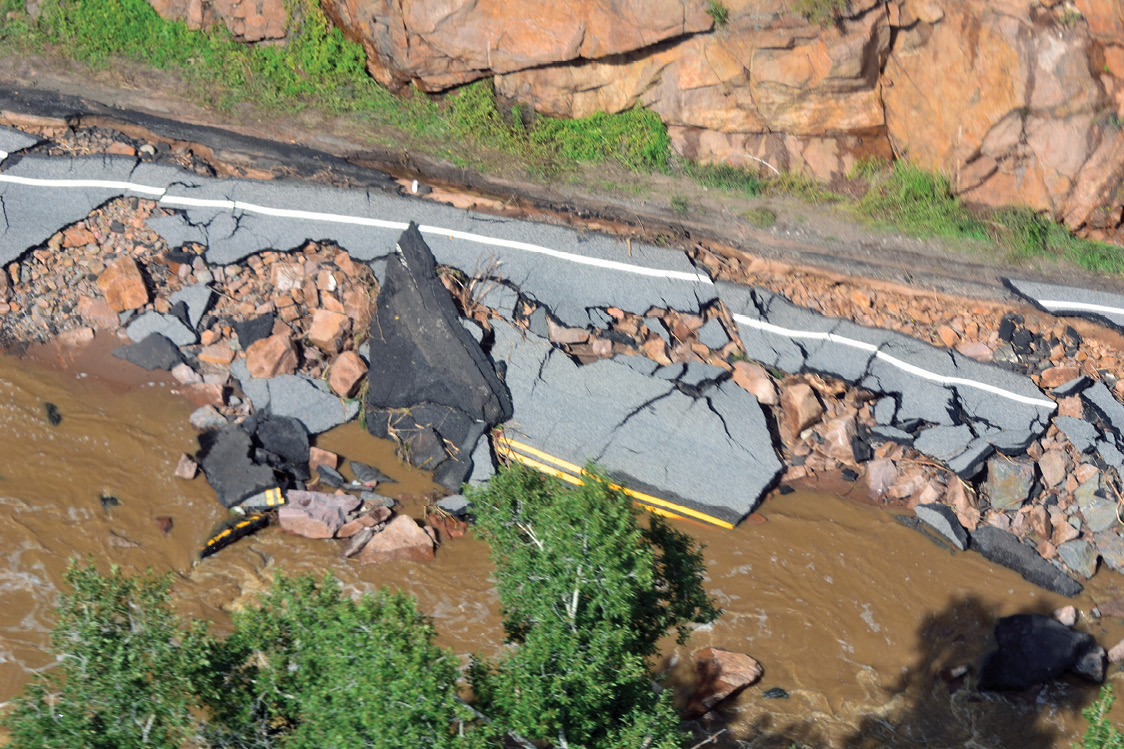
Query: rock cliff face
x,y
248,20
1017,102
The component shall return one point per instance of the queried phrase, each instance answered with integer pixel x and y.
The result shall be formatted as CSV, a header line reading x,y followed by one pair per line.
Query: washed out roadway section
x,y
561,269
703,441
958,409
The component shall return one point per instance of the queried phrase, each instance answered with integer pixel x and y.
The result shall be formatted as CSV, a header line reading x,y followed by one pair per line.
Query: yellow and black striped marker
x,y
231,533
544,462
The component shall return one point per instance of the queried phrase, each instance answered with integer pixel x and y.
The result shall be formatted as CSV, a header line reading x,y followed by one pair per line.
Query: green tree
x,y
125,668
1100,733
586,593
310,667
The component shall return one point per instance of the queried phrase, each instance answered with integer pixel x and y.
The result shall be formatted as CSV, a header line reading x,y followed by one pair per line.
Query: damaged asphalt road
x,y
944,404
681,433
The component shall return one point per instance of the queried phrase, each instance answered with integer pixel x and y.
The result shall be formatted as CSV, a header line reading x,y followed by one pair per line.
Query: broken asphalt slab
x,y
1006,549
573,274
710,453
939,387
1071,301
307,400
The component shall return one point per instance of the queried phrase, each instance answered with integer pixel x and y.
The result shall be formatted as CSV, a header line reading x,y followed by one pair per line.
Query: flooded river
x,y
857,618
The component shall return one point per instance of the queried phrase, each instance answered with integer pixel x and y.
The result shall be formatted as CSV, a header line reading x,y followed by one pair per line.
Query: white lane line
x,y
1058,304
639,270
233,205
84,183
893,361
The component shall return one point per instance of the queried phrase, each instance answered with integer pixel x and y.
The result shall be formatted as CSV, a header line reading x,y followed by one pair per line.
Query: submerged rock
x,y
1035,649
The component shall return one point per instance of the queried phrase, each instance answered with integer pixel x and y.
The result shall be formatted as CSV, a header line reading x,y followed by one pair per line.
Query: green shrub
x,y
636,138
126,665
920,203
310,667
718,11
1100,734
586,593
762,218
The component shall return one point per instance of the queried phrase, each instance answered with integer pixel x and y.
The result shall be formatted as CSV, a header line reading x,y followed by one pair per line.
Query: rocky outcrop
x,y
247,20
440,45
1017,103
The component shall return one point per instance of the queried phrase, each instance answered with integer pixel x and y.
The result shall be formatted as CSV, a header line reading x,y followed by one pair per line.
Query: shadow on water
x,y
929,708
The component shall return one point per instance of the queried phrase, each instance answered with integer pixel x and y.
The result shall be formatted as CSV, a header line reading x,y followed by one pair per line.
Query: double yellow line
x,y
546,463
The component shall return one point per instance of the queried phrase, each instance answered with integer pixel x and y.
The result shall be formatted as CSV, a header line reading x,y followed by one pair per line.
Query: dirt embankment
x,y
1019,103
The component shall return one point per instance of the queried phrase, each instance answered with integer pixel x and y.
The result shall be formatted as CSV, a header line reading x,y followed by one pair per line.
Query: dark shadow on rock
x,y
933,705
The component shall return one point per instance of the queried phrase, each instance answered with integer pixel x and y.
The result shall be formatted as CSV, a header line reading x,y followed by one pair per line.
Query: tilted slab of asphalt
x,y
570,273
935,386
1071,301
706,448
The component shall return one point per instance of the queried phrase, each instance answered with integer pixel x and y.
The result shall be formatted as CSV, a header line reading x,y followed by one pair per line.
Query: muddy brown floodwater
x,y
855,616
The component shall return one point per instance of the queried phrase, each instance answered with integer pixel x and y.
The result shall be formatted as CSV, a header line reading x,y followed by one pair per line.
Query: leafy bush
x,y
718,11
819,11
126,665
1101,734
310,667
586,593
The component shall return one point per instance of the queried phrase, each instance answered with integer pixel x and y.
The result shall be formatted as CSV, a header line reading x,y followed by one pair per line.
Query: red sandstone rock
x,y
186,468
248,21
318,457
346,374
220,354
754,379
1055,376
272,356
801,407
314,514
328,329
721,675
122,285
96,312
402,539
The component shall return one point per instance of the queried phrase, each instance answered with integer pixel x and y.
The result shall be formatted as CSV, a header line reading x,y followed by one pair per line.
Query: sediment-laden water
x,y
856,617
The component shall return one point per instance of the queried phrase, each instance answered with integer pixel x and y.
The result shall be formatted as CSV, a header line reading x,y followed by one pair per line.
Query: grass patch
x,y
725,177
679,205
718,11
819,11
762,218
637,139
791,184
919,203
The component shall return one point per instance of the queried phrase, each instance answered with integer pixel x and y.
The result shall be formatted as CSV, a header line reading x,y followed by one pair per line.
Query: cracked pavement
x,y
1056,299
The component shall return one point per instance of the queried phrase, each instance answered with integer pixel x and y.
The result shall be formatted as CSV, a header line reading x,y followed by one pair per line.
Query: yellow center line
x,y
510,446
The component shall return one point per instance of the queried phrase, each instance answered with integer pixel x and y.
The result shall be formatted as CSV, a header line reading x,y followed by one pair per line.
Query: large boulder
x,y
440,45
1035,649
431,385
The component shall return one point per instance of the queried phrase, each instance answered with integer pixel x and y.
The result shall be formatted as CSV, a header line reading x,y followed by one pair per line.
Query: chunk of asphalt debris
x,y
108,501
206,418
284,441
655,325
224,456
885,410
1035,649
153,352
330,477
456,505
710,452
1102,401
1073,387
377,500
1006,549
308,401
266,500
483,463
430,382
51,411
943,520
1080,433
944,442
250,332
713,335
473,329
892,434
775,693
968,463
537,322
368,475
1110,455
196,299
169,326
